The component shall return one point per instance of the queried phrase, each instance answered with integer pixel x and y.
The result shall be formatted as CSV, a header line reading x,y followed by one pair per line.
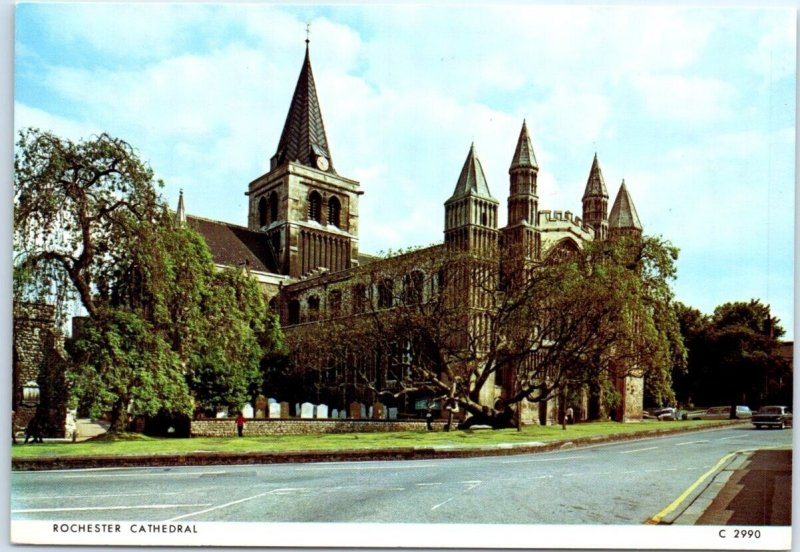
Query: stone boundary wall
x,y
261,427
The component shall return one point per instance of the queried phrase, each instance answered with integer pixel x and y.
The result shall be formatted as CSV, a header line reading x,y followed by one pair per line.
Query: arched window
x,y
334,211
359,298
313,308
294,311
335,303
385,294
273,207
262,211
412,287
315,206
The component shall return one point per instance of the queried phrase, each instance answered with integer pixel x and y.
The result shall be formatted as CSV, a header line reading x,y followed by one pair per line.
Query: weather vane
x,y
308,32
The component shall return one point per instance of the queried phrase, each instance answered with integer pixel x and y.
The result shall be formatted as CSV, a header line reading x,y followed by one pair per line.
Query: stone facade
x,y
38,356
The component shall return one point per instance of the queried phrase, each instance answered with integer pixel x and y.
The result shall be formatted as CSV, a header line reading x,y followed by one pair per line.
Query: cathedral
x,y
302,229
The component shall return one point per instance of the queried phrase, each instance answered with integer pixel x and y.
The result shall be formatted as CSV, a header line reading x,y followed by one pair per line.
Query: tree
x,y
166,330
453,325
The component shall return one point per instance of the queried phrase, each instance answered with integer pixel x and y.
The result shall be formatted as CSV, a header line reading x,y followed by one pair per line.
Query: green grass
x,y
142,445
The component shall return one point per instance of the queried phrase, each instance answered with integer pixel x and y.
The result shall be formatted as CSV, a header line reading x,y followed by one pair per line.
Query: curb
x,y
400,453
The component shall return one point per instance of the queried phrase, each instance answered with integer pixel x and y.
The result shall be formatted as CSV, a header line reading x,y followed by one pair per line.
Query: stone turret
x,y
623,220
595,201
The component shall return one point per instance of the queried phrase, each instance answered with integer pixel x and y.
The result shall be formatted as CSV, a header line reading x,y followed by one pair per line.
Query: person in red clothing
x,y
240,424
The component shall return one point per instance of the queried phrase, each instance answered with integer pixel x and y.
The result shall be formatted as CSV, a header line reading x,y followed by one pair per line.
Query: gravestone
x,y
379,411
274,410
392,413
284,410
322,411
261,406
271,400
297,409
363,411
355,410
335,413
306,410
223,413
342,414
247,410
370,412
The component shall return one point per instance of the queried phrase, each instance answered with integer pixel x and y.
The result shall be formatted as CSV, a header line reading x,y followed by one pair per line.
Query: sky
x,y
693,108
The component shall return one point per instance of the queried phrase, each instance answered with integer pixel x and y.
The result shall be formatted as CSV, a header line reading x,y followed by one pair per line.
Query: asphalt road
x,y
621,483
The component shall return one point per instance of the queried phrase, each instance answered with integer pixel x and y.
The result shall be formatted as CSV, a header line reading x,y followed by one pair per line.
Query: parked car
x,y
724,413
772,416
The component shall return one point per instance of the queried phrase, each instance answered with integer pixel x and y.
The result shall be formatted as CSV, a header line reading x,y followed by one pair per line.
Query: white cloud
x,y
686,99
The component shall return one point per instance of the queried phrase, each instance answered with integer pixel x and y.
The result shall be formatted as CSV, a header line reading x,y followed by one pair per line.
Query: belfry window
x,y
273,207
262,212
334,211
315,207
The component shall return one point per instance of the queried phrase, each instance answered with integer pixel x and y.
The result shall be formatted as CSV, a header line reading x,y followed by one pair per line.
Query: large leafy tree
x,y
166,331
452,325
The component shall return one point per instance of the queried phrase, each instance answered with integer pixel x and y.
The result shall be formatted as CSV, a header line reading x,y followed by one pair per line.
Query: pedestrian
x,y
34,431
240,424
570,418
429,419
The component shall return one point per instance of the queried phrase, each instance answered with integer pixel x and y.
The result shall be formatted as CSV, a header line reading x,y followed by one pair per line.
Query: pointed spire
x,y
523,155
623,213
595,185
472,181
180,214
303,138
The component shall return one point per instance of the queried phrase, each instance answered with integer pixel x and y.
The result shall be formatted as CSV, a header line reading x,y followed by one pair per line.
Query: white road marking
x,y
259,495
543,459
637,450
427,484
96,496
143,474
691,442
726,438
323,468
443,503
94,508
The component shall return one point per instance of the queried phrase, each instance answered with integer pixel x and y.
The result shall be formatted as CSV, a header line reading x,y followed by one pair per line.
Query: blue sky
x,y
694,108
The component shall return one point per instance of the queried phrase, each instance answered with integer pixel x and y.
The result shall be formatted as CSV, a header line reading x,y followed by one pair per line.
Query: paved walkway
x,y
755,488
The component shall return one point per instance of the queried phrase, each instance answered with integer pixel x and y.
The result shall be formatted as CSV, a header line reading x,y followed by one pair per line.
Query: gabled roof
x,y
595,185
235,246
303,138
523,155
623,213
472,181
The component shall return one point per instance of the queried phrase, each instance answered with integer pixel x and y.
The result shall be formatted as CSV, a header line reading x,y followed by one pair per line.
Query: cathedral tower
x,y
595,202
623,220
308,212
471,212
521,236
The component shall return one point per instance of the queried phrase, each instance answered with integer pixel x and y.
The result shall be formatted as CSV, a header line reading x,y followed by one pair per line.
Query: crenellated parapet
x,y
564,222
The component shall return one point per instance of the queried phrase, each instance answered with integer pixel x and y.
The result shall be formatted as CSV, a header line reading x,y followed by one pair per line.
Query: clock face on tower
x,y
322,163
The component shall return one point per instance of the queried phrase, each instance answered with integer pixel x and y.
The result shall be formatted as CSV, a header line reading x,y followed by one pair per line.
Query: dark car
x,y
772,416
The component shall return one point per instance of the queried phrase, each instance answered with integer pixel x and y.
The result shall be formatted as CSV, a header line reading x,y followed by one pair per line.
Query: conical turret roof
x,y
623,213
472,181
595,185
303,138
523,155
180,214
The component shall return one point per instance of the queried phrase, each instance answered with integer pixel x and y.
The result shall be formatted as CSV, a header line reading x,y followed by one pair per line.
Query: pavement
x,y
750,488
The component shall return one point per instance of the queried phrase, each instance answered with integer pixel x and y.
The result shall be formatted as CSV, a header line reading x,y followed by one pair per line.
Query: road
x,y
621,483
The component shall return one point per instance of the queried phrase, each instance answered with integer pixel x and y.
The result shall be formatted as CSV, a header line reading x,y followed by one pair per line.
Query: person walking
x,y
240,424
429,419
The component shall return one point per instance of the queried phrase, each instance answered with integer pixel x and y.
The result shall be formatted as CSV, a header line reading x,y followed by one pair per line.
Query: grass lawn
x,y
134,444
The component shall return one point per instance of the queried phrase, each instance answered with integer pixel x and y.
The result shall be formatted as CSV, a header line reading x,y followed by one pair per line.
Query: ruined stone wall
x,y
38,355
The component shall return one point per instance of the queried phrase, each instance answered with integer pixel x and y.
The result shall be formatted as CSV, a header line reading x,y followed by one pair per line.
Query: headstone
x,y
379,410
342,414
297,409
370,412
284,410
322,411
271,400
363,411
392,413
335,413
222,413
306,410
247,410
261,406
274,410
355,410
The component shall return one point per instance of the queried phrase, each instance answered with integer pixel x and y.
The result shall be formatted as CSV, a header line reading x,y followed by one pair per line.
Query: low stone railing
x,y
258,427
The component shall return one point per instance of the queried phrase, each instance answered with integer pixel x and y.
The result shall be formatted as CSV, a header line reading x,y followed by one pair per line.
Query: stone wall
x,y
226,427
38,355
